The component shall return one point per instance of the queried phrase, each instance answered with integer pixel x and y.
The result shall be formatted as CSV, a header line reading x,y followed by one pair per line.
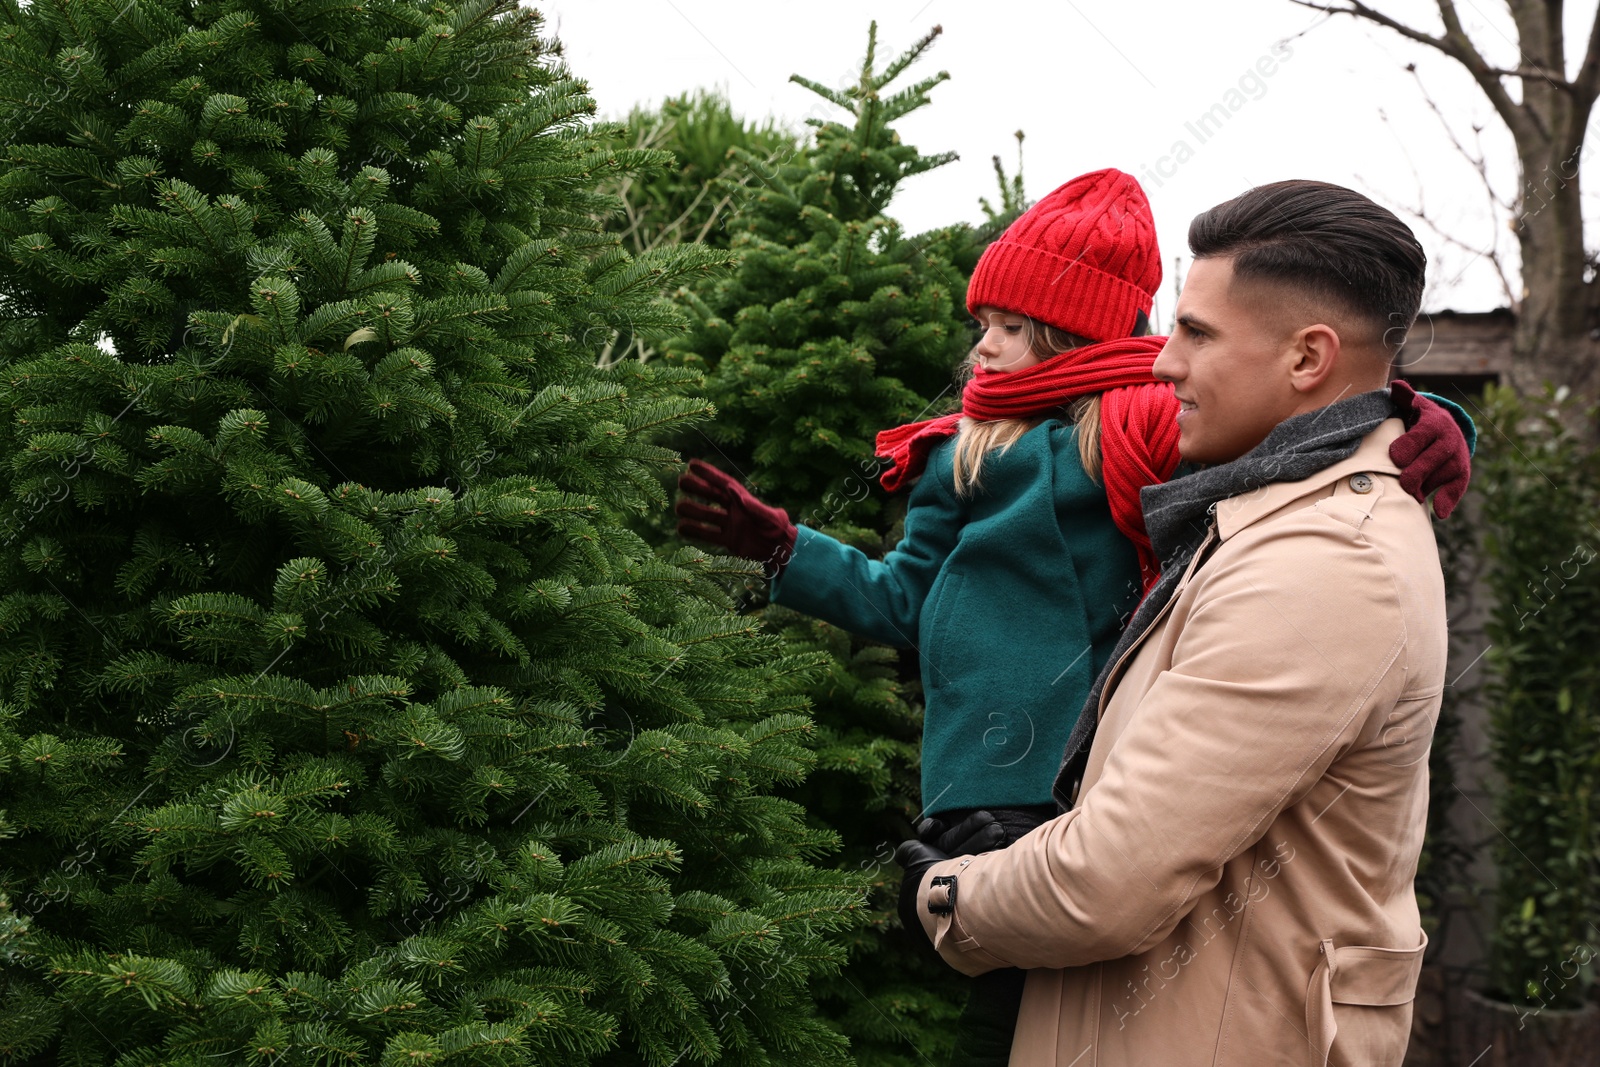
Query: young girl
x,y
1024,547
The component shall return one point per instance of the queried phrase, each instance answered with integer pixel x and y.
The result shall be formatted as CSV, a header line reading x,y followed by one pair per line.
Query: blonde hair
x,y
975,438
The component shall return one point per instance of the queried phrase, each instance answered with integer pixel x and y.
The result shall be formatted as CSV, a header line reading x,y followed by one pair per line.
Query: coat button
x,y
1361,483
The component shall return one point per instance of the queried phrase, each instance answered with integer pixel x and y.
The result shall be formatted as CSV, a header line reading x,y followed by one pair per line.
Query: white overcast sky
x,y
1098,83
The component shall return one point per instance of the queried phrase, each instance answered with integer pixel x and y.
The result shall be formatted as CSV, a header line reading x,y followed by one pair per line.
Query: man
x,y
1233,881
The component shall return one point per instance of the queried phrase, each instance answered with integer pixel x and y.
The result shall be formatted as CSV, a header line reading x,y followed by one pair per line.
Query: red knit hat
x,y
1083,259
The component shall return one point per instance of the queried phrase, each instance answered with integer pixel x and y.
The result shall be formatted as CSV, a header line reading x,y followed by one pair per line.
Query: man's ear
x,y
1313,354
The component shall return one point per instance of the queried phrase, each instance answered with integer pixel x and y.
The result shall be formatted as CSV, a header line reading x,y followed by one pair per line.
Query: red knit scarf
x,y
1138,423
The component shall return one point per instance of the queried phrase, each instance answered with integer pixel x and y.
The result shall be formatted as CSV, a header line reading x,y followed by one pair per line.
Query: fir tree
x,y
1013,199
342,718
693,201
836,325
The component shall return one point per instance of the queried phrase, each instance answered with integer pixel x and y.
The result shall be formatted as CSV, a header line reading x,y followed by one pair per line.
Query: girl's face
x,y
1007,341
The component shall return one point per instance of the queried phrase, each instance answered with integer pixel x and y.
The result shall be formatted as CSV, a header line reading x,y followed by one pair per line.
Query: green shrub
x,y
1540,484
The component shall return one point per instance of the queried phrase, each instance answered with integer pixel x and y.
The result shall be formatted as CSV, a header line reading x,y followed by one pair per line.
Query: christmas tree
x,y
343,720
835,325
693,201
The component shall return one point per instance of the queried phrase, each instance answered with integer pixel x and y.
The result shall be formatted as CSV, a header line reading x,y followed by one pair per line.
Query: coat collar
x,y
1372,457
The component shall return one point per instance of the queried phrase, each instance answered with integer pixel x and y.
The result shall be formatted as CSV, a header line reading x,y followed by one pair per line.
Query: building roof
x,y
1459,344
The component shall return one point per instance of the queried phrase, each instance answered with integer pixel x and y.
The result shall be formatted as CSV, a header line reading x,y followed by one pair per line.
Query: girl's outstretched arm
x,y
823,577
880,599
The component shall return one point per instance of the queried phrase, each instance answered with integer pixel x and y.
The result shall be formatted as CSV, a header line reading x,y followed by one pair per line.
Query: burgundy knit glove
x,y
1432,455
741,524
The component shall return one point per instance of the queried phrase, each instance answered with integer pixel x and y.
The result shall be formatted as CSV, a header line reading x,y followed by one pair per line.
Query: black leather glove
x,y
978,832
915,857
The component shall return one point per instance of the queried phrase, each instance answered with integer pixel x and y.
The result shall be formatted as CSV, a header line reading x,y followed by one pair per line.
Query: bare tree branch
x,y
1586,85
1456,44
1490,254
1478,159
1539,27
1514,115
1541,73
1420,211
1360,10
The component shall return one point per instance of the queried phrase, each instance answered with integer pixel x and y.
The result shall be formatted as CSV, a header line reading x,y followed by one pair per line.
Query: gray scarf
x,y
1177,516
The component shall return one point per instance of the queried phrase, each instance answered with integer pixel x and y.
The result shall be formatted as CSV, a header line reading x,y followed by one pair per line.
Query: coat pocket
x,y
1358,1005
940,650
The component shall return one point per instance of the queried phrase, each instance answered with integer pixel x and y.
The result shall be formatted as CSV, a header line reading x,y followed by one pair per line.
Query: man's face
x,y
1228,360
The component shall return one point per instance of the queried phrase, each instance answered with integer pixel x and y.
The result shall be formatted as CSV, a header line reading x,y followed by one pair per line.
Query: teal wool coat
x,y
1013,598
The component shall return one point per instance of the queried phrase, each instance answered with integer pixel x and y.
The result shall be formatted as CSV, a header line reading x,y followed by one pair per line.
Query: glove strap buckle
x,y
942,895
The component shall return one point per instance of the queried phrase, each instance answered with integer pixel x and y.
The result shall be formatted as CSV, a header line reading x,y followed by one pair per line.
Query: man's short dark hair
x,y
1329,241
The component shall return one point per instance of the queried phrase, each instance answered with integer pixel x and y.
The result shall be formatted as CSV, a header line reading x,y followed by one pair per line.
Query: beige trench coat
x,y
1234,884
